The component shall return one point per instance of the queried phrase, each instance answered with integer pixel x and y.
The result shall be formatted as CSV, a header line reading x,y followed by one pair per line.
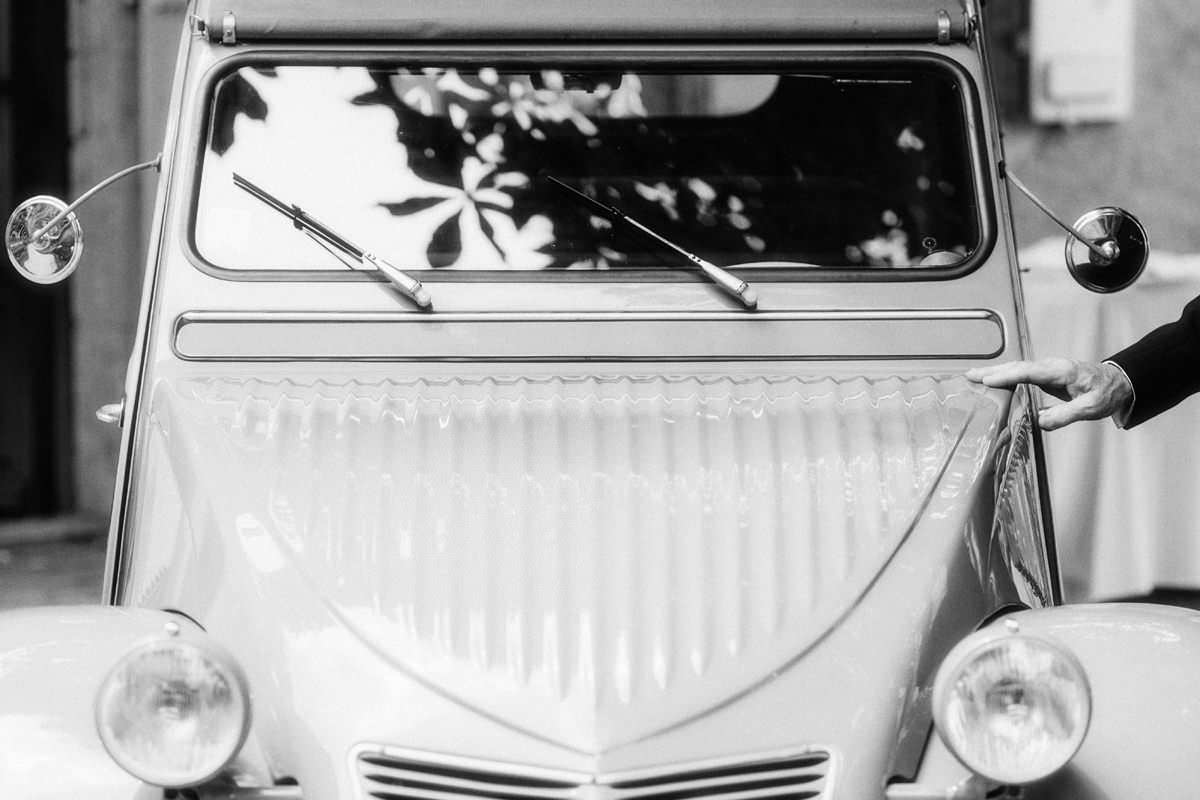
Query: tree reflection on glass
x,y
845,168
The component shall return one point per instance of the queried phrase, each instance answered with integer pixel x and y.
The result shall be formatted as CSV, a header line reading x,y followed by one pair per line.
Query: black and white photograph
x,y
565,400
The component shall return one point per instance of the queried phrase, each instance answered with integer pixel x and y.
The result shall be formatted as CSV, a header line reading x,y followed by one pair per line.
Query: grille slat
x,y
450,772
787,789
475,787
805,762
690,787
385,786
806,776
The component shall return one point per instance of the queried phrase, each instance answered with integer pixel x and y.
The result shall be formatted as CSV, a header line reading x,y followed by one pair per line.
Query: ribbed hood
x,y
588,559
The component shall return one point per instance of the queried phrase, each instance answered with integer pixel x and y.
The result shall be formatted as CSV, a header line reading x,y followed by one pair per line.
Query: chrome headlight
x,y
1012,708
173,712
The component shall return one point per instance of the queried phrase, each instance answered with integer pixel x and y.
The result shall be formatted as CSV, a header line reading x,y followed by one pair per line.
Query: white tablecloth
x,y
1126,503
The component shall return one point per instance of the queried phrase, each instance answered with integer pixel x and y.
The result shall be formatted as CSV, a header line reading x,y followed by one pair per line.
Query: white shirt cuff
x,y
1121,418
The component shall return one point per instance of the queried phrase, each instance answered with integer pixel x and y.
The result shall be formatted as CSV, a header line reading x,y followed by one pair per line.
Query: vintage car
x,y
564,401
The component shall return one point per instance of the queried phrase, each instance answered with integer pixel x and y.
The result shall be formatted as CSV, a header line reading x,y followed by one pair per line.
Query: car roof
x,y
585,20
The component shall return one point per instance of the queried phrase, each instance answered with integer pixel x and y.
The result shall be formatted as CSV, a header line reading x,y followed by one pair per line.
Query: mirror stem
x,y
1106,255
155,163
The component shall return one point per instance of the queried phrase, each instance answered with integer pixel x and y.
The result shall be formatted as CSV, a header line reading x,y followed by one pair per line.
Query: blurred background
x,y
1100,105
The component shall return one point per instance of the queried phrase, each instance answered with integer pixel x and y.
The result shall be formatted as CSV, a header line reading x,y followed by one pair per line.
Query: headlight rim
x,y
961,655
206,648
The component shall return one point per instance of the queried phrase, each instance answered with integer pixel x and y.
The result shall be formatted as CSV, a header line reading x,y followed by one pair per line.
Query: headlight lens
x,y
1013,709
173,712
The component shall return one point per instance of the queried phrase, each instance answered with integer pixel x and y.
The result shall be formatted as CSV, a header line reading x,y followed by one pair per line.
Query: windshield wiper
x,y
325,236
726,280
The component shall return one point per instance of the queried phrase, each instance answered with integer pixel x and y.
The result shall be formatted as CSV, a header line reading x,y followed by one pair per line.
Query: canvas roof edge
x,y
235,21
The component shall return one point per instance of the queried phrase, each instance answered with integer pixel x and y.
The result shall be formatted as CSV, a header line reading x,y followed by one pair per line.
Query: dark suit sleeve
x,y
1163,366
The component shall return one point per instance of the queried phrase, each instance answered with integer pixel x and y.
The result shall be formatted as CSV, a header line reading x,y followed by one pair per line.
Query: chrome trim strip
x,y
587,316
427,346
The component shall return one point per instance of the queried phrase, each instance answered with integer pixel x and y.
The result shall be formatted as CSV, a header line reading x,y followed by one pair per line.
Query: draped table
x,y
1126,503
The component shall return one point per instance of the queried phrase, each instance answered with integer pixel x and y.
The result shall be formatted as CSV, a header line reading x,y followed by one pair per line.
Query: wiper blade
x,y
735,286
409,286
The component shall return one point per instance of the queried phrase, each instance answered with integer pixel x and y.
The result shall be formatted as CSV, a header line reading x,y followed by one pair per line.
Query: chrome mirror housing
x,y
42,249
1107,248
1123,244
43,236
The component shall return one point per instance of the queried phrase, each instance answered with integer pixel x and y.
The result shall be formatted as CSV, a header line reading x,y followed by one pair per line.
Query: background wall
x,y
121,55
35,440
1148,164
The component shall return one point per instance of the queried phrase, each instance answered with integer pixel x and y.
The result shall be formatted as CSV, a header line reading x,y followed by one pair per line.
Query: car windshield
x,y
439,168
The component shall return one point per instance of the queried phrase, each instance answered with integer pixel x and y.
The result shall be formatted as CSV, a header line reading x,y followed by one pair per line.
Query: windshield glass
x,y
449,169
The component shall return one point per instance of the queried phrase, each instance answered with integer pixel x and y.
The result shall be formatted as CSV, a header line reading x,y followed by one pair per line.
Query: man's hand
x,y
1092,391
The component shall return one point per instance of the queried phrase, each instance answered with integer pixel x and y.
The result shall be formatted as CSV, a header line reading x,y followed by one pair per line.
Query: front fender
x,y
1143,662
51,663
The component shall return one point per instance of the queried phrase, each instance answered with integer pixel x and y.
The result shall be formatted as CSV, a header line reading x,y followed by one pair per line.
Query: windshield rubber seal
x,y
516,56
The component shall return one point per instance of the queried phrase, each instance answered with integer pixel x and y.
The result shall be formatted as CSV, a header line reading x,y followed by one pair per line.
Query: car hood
x,y
587,559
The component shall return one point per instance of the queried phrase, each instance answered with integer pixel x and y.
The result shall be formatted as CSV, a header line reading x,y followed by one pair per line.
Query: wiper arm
x,y
726,280
409,286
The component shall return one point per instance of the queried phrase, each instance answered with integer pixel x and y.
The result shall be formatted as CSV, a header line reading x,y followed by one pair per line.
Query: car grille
x,y
386,775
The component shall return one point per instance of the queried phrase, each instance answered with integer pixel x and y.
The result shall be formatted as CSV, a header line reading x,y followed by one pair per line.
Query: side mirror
x,y
43,243
43,236
1107,248
1124,246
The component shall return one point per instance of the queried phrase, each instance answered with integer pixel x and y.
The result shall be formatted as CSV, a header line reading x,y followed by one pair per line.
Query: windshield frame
x,y
777,58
